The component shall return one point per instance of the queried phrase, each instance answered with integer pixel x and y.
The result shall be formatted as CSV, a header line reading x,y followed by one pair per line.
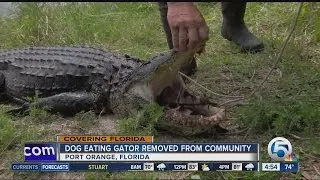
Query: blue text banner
x,y
160,148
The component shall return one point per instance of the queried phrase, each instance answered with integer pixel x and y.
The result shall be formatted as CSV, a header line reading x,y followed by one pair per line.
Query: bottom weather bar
x,y
149,166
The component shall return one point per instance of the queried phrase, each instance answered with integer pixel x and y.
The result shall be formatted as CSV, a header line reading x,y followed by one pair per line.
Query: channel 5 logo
x,y
279,148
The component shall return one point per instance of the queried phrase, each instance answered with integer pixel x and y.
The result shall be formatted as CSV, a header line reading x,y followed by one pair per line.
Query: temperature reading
x,y
289,166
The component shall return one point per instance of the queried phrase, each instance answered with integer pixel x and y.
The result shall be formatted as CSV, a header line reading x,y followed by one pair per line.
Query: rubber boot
x,y
234,28
188,68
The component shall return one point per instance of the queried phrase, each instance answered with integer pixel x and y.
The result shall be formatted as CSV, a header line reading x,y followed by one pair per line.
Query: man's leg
x,y
234,28
187,69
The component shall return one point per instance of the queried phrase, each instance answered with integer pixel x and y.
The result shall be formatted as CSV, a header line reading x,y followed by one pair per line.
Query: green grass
x,y
288,103
86,119
143,123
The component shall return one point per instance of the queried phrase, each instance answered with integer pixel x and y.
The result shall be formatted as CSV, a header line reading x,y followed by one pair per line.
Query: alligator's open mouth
x,y
164,86
190,111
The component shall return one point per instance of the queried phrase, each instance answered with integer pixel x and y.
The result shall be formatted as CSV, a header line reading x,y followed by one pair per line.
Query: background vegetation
x,y
287,105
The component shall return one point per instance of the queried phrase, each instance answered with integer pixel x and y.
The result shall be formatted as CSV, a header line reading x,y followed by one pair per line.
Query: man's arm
x,y
188,27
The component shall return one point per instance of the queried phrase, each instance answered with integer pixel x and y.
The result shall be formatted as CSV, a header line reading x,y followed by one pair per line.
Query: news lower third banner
x,y
136,149
158,152
136,153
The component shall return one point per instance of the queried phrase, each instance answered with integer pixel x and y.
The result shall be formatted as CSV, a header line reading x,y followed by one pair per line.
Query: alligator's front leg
x,y
64,103
3,95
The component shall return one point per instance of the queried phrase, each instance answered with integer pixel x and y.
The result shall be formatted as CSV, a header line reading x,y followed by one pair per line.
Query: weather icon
x,y
205,167
161,167
249,167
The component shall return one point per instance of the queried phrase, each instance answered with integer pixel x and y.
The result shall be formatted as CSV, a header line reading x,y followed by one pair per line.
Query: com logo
x,y
279,148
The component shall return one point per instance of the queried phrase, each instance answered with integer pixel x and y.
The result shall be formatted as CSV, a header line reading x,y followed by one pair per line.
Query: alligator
x,y
71,79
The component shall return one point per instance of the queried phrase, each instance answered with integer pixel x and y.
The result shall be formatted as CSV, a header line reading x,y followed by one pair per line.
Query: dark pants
x,y
233,26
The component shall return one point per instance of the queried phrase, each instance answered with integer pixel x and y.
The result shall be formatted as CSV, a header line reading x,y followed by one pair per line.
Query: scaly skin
x,y
84,75
80,78
52,70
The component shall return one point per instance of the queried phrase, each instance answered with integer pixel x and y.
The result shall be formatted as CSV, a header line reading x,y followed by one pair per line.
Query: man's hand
x,y
188,27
